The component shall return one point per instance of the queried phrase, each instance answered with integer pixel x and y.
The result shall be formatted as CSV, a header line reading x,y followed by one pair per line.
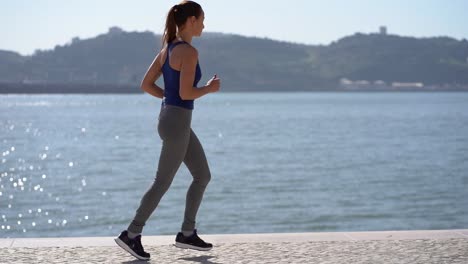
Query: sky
x,y
27,25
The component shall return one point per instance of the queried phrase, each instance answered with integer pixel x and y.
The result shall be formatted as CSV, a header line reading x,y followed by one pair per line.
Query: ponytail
x,y
177,17
171,28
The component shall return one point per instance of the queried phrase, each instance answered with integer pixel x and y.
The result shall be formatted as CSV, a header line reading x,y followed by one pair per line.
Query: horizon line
x,y
69,42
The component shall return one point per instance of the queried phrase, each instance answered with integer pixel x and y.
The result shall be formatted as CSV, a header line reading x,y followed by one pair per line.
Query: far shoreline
x,y
134,89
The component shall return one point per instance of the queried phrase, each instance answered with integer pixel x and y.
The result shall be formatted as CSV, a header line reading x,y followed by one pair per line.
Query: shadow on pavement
x,y
200,259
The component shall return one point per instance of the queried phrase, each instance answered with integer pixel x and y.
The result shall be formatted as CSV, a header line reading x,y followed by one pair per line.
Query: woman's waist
x,y
178,102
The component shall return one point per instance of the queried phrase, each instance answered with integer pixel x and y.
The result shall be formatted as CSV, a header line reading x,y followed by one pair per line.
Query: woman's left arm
x,y
152,75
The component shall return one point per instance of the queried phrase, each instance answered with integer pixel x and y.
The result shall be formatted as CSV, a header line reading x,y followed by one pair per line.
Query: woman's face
x,y
198,24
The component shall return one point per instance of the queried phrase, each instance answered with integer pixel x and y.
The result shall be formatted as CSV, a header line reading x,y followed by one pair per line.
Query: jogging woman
x,y
177,62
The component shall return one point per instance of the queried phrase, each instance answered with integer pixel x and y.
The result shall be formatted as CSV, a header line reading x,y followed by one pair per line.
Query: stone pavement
x,y
434,246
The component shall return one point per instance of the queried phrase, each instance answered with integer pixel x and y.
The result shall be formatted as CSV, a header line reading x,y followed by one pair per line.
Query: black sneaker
x,y
192,242
132,246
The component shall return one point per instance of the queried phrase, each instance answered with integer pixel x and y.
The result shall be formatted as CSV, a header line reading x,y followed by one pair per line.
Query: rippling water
x,y
77,165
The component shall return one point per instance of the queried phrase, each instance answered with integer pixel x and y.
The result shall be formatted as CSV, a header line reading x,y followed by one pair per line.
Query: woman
x,y
178,63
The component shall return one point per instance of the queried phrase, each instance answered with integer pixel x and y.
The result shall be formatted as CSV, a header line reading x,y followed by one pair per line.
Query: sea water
x,y
78,165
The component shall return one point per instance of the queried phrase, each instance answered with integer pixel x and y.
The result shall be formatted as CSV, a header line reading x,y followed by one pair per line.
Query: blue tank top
x,y
172,81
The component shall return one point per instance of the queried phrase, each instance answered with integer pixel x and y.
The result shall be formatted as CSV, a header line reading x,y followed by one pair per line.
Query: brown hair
x,y
177,17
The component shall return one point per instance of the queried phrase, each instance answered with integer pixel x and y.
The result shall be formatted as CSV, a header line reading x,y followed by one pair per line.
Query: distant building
x,y
115,31
379,83
354,85
348,84
362,82
383,30
345,81
407,85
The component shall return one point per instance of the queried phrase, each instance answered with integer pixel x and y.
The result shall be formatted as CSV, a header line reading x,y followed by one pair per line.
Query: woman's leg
x,y
174,129
196,162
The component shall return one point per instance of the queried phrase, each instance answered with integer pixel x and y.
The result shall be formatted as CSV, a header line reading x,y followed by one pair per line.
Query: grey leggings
x,y
179,143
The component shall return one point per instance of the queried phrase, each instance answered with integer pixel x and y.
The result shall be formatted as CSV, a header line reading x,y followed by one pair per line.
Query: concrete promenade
x,y
425,246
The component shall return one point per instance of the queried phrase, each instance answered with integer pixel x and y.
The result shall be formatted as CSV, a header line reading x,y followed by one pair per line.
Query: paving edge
x,y
241,238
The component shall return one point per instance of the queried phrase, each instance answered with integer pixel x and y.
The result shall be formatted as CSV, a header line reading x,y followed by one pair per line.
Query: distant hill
x,y
245,63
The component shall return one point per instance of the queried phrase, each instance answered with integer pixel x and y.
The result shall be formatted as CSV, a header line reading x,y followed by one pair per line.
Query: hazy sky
x,y
26,25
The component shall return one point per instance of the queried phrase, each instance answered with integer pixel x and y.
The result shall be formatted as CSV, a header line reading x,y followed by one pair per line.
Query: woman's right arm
x,y
154,72
187,76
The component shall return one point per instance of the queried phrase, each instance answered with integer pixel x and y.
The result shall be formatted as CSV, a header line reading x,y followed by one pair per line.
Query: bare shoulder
x,y
187,50
162,52
161,57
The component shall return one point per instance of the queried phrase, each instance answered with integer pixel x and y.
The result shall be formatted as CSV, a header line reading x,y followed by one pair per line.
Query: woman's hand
x,y
214,84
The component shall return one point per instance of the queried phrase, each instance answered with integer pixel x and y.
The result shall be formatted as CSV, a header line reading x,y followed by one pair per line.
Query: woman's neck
x,y
185,36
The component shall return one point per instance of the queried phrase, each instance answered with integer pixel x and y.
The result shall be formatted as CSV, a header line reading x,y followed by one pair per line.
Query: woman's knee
x,y
206,178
